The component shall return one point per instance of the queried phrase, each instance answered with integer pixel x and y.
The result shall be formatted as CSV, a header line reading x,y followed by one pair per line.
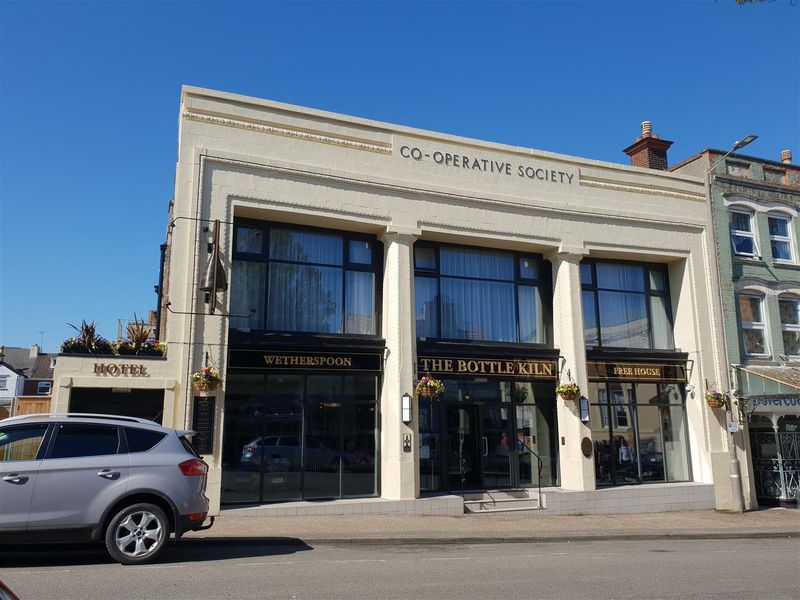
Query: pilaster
x,y
399,465
577,471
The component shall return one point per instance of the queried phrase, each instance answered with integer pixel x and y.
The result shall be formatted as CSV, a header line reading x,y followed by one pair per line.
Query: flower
x,y
429,387
568,391
717,399
206,375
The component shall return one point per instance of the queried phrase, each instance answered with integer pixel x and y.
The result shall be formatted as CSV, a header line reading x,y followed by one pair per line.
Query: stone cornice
x,y
616,186
308,136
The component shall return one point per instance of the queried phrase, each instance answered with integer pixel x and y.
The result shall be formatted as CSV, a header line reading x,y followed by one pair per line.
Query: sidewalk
x,y
500,528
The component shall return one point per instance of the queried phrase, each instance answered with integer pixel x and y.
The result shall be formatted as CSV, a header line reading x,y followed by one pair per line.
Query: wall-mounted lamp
x,y
405,408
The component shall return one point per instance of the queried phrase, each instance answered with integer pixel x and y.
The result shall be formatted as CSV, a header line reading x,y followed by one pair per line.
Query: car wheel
x,y
137,534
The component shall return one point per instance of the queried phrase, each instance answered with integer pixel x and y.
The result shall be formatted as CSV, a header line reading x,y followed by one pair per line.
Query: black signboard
x,y
290,360
488,367
203,424
626,371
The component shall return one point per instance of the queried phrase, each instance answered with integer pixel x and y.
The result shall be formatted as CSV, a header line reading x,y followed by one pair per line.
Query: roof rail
x,y
80,415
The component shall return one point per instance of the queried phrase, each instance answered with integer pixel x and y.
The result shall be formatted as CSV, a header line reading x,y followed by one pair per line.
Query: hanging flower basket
x,y
428,387
569,391
206,380
716,399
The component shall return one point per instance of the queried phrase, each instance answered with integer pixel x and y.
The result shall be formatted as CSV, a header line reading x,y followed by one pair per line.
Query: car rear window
x,y
142,440
188,445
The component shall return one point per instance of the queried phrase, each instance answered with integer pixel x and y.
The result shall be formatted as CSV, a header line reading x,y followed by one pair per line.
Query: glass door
x,y
496,445
464,448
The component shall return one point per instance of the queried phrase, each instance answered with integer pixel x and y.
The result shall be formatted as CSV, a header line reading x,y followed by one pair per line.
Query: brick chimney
x,y
786,157
648,151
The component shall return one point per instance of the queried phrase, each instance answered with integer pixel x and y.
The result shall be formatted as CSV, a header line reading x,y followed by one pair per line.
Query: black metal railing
x,y
540,466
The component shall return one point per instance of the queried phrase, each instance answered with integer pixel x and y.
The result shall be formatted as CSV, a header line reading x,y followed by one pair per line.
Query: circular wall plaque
x,y
587,447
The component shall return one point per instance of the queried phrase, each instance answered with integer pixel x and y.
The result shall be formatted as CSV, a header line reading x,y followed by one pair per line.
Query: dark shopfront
x,y
637,414
300,424
496,416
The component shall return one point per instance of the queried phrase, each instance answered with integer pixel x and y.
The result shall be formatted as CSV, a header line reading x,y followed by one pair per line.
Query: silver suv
x,y
126,481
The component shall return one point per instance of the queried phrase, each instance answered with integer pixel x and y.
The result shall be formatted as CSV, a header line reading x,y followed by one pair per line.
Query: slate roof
x,y
41,369
19,359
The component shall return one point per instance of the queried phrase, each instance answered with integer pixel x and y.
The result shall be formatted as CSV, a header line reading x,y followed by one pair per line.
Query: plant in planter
x,y
522,393
206,380
87,341
428,387
138,341
569,391
716,399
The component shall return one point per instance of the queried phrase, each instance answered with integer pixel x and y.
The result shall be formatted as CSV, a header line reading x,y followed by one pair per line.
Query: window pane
x,y
781,250
531,326
778,226
676,443
658,281
623,320
590,333
661,326
359,303
754,341
75,440
791,343
788,310
740,221
248,291
750,309
476,263
305,246
528,268
250,240
360,252
21,443
478,310
304,298
586,274
651,456
425,258
426,298
629,278
743,245
141,440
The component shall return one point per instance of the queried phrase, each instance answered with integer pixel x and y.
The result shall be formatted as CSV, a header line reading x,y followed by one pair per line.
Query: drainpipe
x,y
734,468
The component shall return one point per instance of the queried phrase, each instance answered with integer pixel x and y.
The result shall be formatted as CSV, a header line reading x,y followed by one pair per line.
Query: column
x,y
399,463
577,471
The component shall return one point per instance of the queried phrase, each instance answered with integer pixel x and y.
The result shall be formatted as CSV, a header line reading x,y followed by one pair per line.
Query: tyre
x,y
137,534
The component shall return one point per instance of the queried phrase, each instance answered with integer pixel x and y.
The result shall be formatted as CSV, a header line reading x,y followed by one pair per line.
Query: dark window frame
x,y
648,293
375,267
542,282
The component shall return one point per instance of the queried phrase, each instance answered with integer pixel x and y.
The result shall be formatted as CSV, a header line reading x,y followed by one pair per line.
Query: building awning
x,y
771,389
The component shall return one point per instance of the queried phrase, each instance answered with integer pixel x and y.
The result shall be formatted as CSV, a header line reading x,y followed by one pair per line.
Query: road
x,y
729,569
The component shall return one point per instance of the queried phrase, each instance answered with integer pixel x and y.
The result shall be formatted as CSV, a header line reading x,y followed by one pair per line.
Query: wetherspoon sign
x,y
471,162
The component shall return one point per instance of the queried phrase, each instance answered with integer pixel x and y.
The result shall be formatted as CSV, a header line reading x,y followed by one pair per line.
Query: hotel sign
x,y
492,367
116,370
614,371
280,360
464,162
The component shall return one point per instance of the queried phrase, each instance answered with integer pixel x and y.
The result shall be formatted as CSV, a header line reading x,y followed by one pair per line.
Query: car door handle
x,y
108,474
15,478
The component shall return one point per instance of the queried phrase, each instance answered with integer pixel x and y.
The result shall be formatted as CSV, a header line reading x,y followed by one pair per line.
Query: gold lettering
x,y
448,366
462,366
143,371
112,370
426,364
99,369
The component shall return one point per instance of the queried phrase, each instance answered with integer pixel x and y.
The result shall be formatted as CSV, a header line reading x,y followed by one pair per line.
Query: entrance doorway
x,y
487,434
127,402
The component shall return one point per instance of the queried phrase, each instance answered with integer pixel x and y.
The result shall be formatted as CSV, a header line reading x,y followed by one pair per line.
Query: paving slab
x,y
500,528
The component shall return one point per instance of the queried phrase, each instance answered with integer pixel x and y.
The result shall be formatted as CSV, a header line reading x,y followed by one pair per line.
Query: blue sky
x,y
89,98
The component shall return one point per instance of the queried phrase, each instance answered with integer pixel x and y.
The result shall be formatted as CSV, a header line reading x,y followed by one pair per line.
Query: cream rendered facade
x,y
242,157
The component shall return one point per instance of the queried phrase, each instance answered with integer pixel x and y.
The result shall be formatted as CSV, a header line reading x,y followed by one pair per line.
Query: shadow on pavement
x,y
61,555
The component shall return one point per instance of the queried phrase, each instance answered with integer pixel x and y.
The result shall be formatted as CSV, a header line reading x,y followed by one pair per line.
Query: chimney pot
x,y
649,150
786,157
647,128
